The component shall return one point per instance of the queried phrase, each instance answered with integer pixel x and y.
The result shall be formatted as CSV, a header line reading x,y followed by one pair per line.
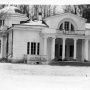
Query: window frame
x,y
33,48
67,26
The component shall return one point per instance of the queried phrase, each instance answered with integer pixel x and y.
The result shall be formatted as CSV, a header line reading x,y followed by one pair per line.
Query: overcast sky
x,y
53,2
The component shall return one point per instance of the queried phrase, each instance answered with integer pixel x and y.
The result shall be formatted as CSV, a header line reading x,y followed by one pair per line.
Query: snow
x,y
43,77
87,25
35,23
8,9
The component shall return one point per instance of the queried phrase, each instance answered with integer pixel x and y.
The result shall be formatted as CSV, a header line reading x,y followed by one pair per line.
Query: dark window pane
x,y
66,26
33,48
72,27
61,27
38,47
60,50
71,50
28,46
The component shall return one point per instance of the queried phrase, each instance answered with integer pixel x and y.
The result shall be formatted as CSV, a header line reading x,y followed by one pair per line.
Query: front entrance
x,y
69,49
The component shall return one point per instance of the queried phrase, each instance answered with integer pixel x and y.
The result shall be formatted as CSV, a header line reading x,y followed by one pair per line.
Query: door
x,y
56,50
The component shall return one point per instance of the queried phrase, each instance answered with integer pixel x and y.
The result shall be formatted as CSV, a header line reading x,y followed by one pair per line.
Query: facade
x,y
61,37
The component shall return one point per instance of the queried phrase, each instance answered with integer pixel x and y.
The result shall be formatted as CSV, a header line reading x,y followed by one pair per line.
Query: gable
x,y
55,21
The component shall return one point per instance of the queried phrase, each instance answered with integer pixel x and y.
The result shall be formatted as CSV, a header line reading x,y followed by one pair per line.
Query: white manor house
x,y
61,37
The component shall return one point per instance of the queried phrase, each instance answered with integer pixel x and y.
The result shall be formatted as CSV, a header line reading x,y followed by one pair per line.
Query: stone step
x,y
69,63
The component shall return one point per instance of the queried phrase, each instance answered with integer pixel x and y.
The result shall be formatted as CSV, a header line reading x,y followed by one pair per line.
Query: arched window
x,y
67,26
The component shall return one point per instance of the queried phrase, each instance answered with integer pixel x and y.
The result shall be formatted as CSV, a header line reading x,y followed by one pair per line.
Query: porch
x,y
35,59
68,49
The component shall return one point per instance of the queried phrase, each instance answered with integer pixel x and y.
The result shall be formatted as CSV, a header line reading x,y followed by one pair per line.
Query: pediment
x,y
54,21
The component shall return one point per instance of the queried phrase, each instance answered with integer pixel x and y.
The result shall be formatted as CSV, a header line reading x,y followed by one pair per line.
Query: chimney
x,y
40,14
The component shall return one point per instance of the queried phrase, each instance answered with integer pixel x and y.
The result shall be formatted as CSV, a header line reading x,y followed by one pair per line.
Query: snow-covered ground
x,y
43,77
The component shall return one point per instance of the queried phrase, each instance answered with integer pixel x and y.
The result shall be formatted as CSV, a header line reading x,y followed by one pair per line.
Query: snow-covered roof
x,y
10,9
87,25
35,23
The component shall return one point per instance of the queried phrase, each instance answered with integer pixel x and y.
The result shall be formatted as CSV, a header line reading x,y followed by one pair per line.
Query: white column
x,y
63,48
53,48
75,47
2,50
45,47
86,49
69,26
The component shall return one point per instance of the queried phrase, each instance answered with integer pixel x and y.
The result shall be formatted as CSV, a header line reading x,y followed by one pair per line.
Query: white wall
x,y
9,22
20,39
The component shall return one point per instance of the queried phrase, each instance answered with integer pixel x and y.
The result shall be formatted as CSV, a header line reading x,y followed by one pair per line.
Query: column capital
x,y
75,38
86,39
64,38
53,37
45,37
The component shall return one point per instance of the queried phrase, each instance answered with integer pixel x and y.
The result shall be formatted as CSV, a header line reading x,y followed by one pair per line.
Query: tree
x,y
81,10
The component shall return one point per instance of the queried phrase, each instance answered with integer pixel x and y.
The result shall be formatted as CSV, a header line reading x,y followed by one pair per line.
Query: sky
x,y
51,2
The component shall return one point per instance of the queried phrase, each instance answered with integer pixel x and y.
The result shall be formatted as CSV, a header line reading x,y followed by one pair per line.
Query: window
x,y
34,50
38,46
56,50
66,26
2,23
28,47
71,50
60,50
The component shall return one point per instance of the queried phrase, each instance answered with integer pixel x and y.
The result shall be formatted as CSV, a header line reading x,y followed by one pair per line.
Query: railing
x,y
75,32
9,55
35,57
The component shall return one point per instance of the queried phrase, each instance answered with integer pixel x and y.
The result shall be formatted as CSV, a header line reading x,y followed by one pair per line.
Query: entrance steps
x,y
69,63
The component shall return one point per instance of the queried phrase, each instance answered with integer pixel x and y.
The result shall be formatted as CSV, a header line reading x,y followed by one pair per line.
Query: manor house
x,y
60,37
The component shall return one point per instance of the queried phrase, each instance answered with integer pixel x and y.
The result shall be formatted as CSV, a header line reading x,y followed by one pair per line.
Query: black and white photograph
x,y
44,46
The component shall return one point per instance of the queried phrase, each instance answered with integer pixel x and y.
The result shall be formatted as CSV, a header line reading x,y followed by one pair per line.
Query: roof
x,y
65,14
34,23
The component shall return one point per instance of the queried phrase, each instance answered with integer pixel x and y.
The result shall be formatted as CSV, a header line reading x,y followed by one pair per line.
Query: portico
x,y
71,49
